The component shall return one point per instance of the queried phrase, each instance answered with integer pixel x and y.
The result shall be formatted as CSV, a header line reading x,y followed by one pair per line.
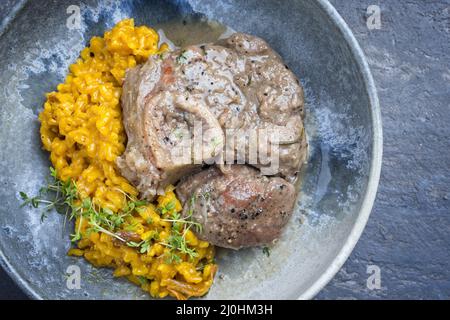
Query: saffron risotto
x,y
81,127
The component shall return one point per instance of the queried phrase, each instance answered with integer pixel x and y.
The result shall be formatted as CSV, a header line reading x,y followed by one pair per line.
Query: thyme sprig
x,y
180,226
64,197
145,245
56,195
182,58
266,251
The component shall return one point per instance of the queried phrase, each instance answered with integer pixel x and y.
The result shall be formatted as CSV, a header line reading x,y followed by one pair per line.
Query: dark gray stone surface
x,y
408,234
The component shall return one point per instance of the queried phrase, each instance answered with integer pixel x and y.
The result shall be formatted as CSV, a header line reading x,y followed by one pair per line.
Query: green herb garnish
x,y
182,58
55,195
142,280
180,227
64,197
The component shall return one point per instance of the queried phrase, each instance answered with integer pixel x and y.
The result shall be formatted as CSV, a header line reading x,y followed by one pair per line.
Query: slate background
x,y
408,234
